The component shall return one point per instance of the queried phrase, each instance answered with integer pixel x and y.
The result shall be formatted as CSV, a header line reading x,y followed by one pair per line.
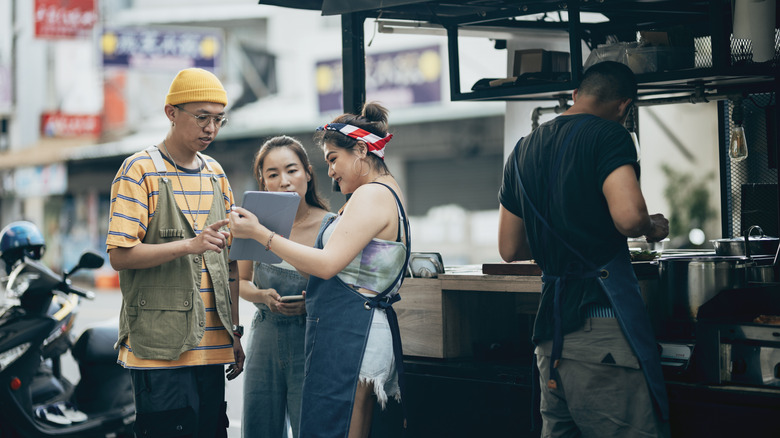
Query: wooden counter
x,y
456,314
491,283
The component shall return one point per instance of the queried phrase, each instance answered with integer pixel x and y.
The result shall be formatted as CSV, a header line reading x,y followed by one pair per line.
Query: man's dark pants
x,y
180,402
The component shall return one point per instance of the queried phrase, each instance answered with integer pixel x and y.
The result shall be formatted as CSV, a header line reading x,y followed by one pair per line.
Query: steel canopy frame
x,y
353,60
623,17
352,40
353,52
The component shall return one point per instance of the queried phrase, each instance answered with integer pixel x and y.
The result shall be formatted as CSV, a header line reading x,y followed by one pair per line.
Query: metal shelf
x,y
723,65
651,84
707,20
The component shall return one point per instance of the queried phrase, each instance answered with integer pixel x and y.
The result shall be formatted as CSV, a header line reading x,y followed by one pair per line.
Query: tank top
x,y
376,266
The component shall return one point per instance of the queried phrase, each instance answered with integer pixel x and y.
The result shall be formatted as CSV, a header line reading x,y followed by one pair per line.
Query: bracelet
x,y
237,334
270,238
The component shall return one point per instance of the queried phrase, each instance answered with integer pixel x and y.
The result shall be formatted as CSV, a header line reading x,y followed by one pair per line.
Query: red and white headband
x,y
375,143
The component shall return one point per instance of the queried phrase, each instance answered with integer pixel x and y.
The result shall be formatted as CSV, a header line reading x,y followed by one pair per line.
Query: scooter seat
x,y
96,345
104,384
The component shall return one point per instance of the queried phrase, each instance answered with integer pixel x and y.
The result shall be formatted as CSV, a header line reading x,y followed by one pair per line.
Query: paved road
x,y
104,309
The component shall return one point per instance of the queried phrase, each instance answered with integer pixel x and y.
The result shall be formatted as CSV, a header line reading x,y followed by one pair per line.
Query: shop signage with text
x,y
70,125
64,18
161,49
397,79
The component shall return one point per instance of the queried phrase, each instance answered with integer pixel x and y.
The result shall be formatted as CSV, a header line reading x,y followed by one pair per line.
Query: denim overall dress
x,y
273,370
619,282
337,326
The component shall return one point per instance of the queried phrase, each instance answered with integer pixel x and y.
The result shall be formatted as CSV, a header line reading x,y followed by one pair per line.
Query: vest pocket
x,y
172,233
163,317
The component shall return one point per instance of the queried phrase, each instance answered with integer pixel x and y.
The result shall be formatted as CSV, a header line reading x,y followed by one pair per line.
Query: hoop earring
x,y
361,174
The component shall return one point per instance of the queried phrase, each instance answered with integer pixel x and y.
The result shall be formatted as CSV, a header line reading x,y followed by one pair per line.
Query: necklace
x,y
183,192
305,216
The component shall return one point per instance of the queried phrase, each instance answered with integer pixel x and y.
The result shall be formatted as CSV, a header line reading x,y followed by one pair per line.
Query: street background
x,y
104,309
82,86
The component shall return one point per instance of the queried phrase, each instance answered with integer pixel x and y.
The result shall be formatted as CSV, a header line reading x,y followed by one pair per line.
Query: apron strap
x,y
559,280
403,220
326,223
383,301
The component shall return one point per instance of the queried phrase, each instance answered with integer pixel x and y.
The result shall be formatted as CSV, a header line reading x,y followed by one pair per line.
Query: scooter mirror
x,y
89,260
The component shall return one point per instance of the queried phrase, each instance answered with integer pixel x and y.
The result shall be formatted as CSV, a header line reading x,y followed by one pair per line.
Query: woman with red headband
x,y
353,347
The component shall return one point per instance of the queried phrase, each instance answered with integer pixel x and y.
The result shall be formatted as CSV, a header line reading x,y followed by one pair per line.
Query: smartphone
x,y
291,298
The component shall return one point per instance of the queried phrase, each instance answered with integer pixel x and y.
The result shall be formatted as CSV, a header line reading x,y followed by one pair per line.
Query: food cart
x,y
466,332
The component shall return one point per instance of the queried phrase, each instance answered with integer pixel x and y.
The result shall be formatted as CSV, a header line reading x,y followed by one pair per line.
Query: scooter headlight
x,y
8,357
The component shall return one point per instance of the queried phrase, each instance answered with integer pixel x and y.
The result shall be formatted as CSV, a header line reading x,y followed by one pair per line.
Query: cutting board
x,y
514,268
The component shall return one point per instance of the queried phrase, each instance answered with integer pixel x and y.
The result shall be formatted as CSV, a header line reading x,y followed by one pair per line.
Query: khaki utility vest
x,y
162,310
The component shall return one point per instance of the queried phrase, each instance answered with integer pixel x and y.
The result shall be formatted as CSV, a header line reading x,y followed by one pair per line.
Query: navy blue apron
x,y
337,326
619,282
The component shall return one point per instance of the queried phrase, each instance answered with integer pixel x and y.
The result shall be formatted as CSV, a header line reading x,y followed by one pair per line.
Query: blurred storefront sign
x,y
37,181
161,49
70,125
64,18
396,79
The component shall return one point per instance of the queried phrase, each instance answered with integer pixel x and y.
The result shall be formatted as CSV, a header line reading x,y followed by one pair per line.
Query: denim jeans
x,y
273,370
273,375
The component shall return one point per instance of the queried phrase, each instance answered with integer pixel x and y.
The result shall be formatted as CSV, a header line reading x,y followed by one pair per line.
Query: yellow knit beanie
x,y
195,85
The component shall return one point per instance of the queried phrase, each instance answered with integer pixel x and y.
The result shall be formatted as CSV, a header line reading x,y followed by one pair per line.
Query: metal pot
x,y
761,274
748,245
765,269
687,282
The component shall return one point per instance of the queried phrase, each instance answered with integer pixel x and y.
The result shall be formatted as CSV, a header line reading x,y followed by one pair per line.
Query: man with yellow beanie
x,y
167,237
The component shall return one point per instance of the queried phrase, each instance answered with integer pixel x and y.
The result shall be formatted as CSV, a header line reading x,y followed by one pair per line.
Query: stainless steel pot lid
x,y
705,258
749,235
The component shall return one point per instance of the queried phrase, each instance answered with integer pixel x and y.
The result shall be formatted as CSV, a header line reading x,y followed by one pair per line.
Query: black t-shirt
x,y
573,204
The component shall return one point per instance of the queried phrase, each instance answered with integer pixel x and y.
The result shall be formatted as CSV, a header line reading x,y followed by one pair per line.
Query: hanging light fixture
x,y
738,149
631,125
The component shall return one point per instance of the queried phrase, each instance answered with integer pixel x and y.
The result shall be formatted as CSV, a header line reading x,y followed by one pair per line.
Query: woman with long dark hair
x,y
274,363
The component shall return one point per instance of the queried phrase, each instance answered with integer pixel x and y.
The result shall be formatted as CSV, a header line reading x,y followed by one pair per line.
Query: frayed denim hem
x,y
381,392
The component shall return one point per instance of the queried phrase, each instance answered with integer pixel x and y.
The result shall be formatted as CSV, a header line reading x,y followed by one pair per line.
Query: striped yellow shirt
x,y
134,195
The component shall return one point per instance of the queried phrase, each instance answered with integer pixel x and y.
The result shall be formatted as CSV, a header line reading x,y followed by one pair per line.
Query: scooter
x,y
35,331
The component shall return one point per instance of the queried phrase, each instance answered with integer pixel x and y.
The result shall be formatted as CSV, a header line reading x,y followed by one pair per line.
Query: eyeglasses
x,y
203,120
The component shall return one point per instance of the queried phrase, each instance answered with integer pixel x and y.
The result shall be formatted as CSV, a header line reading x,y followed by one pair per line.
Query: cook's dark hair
x,y
609,80
372,118
312,196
